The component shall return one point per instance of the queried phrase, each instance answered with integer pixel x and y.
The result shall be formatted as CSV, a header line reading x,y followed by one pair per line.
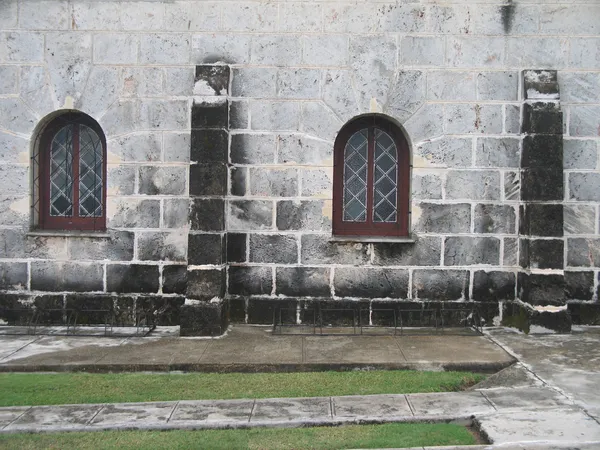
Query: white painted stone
x,y
122,117
406,95
580,154
141,82
274,115
164,115
35,90
570,19
350,18
196,16
319,121
401,18
14,179
301,17
179,81
101,90
8,14
226,48
325,50
426,123
274,49
176,147
254,82
464,118
298,83
142,15
585,53
163,48
579,87
422,50
140,147
116,48
9,76
15,117
475,51
449,19
316,182
512,122
13,148
584,121
536,52
96,15
304,150
44,15
250,17
579,219
521,18
445,85
339,94
19,46
498,86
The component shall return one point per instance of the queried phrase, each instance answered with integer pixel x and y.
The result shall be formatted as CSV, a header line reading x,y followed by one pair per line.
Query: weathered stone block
x,y
176,212
253,149
212,48
498,86
579,285
475,51
8,80
317,182
136,278
370,283
494,219
273,182
329,50
579,154
542,184
585,313
426,185
254,82
141,82
208,179
540,84
142,147
298,83
493,286
119,247
424,252
209,146
304,215
543,151
265,248
318,249
473,185
541,289
466,251
210,114
512,120
176,147
205,284
23,46
445,152
91,309
236,247
528,319
155,180
250,215
476,119
511,246
435,218
544,253
584,186
278,50
239,115
174,279
274,115
116,48
301,149
542,117
207,215
212,80
162,246
422,50
541,220
406,95
163,114
203,318
426,123
494,152
14,210
13,276
528,51
252,280
583,252
440,284
445,85
237,310
162,48
238,180
65,276
263,310
206,249
179,81
14,179
303,281
579,219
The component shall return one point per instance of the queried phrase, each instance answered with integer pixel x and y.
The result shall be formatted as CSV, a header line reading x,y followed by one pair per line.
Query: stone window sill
x,y
70,233
410,239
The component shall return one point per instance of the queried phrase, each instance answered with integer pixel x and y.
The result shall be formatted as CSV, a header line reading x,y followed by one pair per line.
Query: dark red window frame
x,y
369,227
74,222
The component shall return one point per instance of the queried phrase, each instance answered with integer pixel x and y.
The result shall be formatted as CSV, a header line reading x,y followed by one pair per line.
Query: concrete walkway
x,y
250,348
547,400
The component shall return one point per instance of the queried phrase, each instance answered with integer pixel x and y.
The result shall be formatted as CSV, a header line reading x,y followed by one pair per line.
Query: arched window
x,y
72,174
371,179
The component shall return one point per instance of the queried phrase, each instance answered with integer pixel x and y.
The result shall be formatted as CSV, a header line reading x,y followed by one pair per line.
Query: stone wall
x,y
449,73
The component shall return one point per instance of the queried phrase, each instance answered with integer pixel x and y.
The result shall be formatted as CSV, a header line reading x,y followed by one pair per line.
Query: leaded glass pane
x,y
90,173
355,177
385,179
61,173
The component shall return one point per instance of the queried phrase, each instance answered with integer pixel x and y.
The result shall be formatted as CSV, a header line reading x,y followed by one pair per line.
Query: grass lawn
x,y
63,388
355,436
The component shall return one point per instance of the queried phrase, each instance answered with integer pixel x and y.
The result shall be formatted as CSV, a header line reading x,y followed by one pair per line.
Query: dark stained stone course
x,y
542,151
303,281
205,249
437,284
424,252
236,247
205,284
132,278
208,179
207,214
174,279
542,184
542,117
537,219
215,75
250,280
370,283
493,286
579,285
209,146
210,115
273,248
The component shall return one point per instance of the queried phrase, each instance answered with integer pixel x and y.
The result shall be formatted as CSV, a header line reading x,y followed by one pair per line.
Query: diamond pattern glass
x,y
90,173
385,180
61,173
355,177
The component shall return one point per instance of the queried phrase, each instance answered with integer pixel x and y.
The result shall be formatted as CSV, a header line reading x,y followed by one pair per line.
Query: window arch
x,y
371,179
71,177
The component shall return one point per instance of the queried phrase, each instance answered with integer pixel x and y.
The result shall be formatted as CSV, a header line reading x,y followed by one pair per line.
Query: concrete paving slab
x,y
457,404
65,416
8,415
352,349
515,376
290,409
214,411
134,414
367,406
12,344
140,351
457,349
526,398
564,425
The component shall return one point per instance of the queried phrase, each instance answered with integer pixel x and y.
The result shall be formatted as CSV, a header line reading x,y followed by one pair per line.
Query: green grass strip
x,y
394,435
55,389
